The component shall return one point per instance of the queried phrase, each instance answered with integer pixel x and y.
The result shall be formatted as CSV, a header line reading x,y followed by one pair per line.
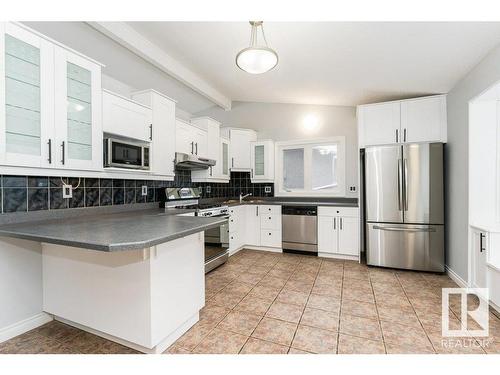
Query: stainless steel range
x,y
216,239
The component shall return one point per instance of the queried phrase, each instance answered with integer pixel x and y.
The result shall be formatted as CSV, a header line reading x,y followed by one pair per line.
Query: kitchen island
x,y
136,278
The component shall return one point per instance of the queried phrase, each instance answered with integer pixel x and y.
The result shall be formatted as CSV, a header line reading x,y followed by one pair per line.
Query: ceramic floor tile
x,y
194,335
221,342
254,305
299,285
240,322
292,297
265,292
326,303
213,313
327,290
315,340
402,336
285,311
358,308
357,345
175,349
360,327
250,278
273,282
237,287
256,346
297,351
320,319
276,331
401,315
228,300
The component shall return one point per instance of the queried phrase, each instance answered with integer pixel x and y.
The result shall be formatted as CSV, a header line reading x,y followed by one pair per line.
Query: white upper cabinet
x,y
262,158
50,107
404,121
424,120
78,109
27,102
161,129
240,150
190,139
125,117
379,124
224,157
210,144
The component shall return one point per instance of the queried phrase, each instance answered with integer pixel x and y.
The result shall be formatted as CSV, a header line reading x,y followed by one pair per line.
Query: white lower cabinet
x,y
252,225
479,258
338,231
270,238
237,230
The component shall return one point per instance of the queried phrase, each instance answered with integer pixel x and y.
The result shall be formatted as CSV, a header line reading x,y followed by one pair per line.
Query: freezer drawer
x,y
414,247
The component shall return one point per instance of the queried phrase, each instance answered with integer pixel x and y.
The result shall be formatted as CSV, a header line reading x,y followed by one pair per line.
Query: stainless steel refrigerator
x,y
404,206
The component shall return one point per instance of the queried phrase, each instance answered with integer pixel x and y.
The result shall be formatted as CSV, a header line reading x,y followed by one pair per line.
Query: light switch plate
x,y
144,190
67,191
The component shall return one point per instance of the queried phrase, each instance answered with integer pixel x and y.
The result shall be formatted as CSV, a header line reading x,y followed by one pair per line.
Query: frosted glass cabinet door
x,y
26,103
259,163
225,158
78,111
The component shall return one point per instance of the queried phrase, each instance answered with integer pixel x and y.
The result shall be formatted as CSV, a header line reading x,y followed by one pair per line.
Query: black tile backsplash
x,y
34,193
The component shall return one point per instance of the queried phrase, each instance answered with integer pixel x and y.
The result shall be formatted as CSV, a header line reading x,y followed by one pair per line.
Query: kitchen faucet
x,y
244,196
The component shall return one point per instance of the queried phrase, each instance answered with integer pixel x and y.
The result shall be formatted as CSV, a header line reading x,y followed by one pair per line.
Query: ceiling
x,y
330,63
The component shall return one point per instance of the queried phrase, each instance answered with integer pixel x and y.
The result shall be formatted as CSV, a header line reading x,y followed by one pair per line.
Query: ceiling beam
x,y
128,37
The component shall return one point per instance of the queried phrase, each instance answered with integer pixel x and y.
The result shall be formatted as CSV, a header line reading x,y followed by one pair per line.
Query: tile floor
x,y
261,302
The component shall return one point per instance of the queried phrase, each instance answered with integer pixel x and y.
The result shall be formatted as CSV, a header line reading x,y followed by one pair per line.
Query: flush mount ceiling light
x,y
257,59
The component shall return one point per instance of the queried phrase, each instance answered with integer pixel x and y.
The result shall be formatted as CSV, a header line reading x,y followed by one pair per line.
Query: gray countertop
x,y
130,230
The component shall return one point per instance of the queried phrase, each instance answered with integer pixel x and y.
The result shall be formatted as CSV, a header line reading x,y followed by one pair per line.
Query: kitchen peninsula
x,y
134,277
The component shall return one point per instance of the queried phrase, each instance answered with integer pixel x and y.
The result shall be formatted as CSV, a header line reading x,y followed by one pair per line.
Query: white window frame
x,y
337,191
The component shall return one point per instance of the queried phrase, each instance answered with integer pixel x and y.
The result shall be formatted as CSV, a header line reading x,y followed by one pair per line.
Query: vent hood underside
x,y
193,162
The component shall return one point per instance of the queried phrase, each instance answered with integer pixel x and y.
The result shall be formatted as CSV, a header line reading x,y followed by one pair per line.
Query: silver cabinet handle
x,y
210,171
257,210
192,148
404,135
232,162
399,229
150,132
341,226
196,145
406,185
63,160
400,176
397,136
50,151
335,223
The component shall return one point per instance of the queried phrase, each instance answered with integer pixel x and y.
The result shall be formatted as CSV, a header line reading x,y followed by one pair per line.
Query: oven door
x,y
216,246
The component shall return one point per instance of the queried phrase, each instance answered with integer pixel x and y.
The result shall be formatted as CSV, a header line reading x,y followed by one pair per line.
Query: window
x,y
311,168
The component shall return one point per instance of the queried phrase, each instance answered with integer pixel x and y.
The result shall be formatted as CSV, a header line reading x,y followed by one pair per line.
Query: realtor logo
x,y
479,313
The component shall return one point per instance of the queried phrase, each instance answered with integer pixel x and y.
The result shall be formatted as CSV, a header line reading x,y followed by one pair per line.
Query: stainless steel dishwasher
x,y
300,228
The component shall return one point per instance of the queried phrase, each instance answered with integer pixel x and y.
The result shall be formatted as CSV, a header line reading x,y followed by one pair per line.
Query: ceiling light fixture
x,y
257,59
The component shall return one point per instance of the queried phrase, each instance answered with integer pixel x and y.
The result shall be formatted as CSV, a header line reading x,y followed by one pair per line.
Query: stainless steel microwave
x,y
126,154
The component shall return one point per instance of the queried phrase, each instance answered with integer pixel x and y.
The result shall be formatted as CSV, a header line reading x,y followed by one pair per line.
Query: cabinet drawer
x,y
269,209
270,221
338,211
270,238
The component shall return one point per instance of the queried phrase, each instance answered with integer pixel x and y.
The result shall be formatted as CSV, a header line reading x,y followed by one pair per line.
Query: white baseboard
x,y
263,248
23,326
158,349
455,277
339,256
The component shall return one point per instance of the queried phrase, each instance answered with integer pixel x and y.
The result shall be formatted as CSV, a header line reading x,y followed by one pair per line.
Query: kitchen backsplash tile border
x,y
37,193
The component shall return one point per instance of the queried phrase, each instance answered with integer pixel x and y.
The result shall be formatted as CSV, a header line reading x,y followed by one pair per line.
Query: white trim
x,y
455,277
153,91
263,248
126,98
128,37
104,173
23,326
338,256
157,349
231,253
340,191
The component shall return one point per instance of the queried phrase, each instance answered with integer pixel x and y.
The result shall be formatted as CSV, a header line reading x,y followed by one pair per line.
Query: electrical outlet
x,y
67,191
267,189
352,189
144,190
208,189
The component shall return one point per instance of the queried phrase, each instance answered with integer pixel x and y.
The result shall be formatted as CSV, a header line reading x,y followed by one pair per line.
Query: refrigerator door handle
x,y
400,229
400,174
405,185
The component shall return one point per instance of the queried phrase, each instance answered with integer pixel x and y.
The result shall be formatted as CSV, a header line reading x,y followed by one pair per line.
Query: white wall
x,y
284,122
485,74
20,281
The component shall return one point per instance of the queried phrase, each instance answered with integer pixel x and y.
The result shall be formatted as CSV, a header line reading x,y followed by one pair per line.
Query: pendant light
x,y
257,59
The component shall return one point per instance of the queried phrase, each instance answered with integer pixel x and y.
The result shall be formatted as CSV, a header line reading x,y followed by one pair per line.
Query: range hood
x,y
193,162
